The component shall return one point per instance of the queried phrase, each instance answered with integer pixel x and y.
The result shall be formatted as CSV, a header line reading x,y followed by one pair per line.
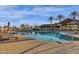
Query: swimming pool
x,y
55,36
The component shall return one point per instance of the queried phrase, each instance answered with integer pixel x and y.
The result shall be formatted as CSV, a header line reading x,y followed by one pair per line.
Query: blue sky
x,y
33,14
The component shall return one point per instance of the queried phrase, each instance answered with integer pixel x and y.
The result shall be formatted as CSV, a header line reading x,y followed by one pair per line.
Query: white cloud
x,y
47,9
39,11
5,13
20,13
5,7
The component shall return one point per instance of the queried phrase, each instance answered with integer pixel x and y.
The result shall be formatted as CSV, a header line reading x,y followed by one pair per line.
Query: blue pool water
x,y
55,36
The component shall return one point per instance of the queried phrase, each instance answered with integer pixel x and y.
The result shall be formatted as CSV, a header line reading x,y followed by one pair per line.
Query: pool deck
x,y
39,47
31,46
74,35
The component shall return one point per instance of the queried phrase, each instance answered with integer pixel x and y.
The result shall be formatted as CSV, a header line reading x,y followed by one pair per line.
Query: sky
x,y
33,14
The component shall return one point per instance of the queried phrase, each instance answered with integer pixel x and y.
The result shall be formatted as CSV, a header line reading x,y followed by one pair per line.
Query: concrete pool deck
x,y
74,35
39,47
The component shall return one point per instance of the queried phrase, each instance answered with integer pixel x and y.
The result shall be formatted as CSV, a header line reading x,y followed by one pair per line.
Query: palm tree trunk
x,y
60,24
51,24
60,27
74,17
51,30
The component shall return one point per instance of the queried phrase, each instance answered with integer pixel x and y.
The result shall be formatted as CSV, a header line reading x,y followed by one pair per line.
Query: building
x,y
70,24
67,24
46,27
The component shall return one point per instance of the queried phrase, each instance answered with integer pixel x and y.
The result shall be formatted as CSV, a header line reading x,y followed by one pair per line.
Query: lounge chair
x,y
5,36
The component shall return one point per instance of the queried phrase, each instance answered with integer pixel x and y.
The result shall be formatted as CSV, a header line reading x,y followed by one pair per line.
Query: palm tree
x,y
22,27
8,26
60,17
0,28
74,14
51,19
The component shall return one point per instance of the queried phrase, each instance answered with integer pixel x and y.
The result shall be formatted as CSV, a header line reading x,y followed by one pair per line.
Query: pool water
x,y
55,36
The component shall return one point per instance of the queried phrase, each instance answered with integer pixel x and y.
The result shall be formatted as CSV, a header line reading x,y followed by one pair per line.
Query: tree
x,y
25,27
60,17
22,27
74,14
0,28
50,20
8,26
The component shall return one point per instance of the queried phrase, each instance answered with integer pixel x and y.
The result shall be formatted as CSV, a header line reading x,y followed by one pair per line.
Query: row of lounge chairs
x,y
7,36
11,37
